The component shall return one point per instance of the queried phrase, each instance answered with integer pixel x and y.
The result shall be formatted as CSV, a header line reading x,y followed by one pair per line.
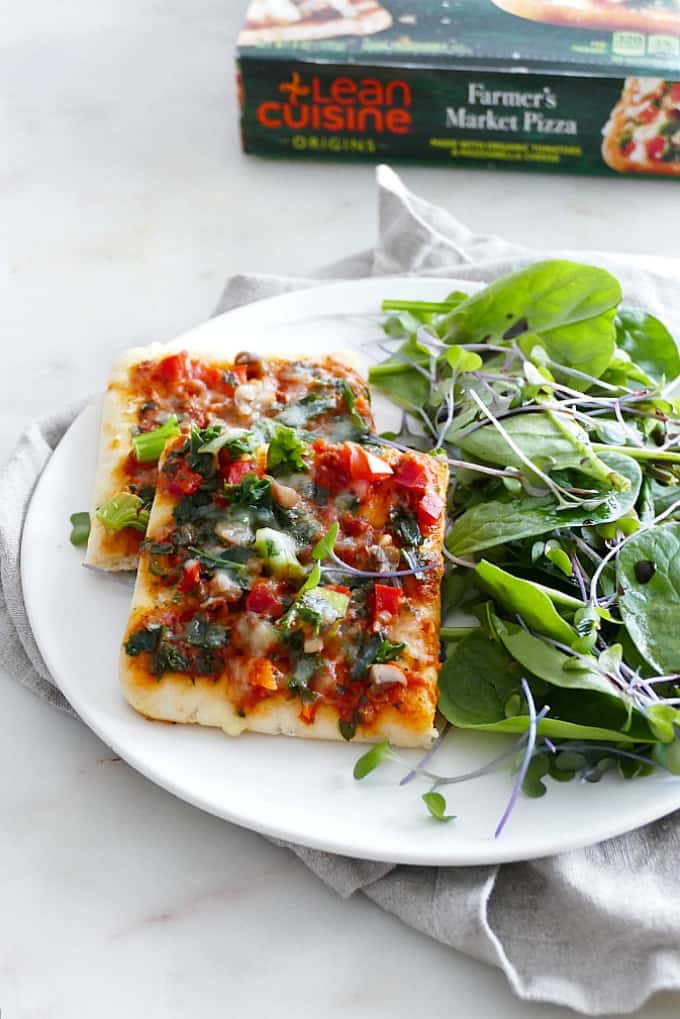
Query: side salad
x,y
550,399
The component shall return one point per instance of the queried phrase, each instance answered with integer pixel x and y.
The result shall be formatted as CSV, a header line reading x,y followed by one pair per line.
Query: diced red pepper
x,y
430,509
675,92
411,475
171,369
236,472
340,588
212,377
366,466
656,147
184,481
386,600
191,576
647,115
261,599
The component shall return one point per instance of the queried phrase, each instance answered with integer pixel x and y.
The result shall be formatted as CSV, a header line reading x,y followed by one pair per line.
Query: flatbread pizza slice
x,y
608,15
304,20
643,132
154,394
290,588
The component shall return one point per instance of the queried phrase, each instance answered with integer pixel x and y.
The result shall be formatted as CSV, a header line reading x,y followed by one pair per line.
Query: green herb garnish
x,y
148,446
124,510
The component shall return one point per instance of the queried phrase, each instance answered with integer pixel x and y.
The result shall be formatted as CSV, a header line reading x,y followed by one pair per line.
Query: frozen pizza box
x,y
590,86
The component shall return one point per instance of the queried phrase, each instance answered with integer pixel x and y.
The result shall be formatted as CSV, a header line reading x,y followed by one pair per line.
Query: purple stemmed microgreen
x,y
526,760
324,553
562,497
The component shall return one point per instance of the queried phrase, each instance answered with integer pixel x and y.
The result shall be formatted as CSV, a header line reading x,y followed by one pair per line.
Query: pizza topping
x,y
263,600
191,576
284,496
386,675
253,557
656,147
386,602
148,446
278,552
285,451
124,510
364,465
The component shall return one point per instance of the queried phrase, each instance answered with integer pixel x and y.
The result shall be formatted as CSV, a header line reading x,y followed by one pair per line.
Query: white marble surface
x,y
124,203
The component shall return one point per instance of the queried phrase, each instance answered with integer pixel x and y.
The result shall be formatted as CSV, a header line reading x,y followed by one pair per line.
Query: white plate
x,y
301,791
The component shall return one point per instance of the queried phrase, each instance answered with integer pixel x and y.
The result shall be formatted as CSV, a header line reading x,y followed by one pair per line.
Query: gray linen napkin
x,y
597,930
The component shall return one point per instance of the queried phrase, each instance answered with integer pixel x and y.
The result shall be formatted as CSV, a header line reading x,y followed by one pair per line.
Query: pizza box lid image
x,y
605,37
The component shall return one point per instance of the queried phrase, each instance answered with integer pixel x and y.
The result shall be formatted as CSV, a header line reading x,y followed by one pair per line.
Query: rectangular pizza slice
x,y
290,586
305,20
154,394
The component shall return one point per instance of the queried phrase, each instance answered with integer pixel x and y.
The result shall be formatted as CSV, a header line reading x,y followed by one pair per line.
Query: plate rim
x,y
478,853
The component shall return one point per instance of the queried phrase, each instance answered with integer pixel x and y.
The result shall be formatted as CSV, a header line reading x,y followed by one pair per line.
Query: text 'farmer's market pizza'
x,y
153,395
289,583
302,20
643,132
614,15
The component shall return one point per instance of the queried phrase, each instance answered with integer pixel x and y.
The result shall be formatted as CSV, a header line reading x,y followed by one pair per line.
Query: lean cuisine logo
x,y
343,104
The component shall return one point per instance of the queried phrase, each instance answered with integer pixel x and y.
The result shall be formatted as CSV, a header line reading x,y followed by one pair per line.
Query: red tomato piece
x,y
656,147
386,599
430,509
411,475
263,601
191,576
675,92
236,472
647,115
185,481
365,466
172,369
628,148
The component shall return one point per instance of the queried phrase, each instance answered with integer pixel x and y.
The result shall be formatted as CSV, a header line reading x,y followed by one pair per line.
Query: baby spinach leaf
x,y
526,599
499,521
650,602
580,694
199,632
554,437
544,296
297,415
476,683
585,346
648,343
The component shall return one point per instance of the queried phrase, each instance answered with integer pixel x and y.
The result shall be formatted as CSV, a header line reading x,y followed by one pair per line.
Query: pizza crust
x,y
611,17
614,130
366,18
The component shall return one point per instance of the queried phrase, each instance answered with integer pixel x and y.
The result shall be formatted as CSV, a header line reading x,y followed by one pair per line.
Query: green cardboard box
x,y
588,86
